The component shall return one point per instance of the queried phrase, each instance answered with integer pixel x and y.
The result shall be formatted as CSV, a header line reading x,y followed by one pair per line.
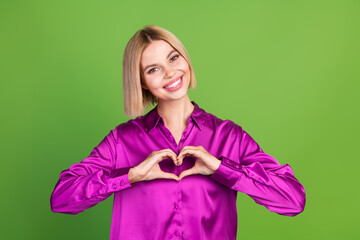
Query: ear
x,y
142,82
144,86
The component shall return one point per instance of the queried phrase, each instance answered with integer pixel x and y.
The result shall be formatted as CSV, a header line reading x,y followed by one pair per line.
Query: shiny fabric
x,y
196,207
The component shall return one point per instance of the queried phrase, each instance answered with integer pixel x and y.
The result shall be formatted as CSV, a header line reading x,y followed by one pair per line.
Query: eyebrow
x,y
155,64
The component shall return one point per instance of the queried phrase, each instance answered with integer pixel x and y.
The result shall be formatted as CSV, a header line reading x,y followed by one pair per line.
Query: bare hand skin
x,y
205,164
149,169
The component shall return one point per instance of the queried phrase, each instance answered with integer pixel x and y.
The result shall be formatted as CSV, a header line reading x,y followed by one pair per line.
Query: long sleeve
x,y
261,177
92,180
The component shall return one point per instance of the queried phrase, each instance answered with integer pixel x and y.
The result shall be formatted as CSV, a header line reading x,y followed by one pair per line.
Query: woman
x,y
175,171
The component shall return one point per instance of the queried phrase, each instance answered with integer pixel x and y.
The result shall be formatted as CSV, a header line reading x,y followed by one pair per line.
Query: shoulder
x,y
229,130
223,130
219,123
129,128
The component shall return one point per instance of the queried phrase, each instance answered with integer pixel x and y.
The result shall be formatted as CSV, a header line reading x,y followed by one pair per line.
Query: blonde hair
x,y
137,99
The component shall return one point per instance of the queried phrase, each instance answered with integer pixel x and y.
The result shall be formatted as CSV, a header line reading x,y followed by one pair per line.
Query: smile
x,y
174,84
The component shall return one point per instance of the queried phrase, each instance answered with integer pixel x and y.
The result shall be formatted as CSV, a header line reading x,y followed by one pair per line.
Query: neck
x,y
175,113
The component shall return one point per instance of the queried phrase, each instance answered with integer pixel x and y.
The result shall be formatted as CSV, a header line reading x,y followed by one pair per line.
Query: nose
x,y
169,72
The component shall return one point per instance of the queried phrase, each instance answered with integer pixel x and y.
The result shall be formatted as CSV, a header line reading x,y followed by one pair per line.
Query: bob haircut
x,y
136,99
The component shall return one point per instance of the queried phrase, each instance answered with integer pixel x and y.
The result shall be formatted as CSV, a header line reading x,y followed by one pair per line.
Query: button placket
x,y
177,211
168,135
177,234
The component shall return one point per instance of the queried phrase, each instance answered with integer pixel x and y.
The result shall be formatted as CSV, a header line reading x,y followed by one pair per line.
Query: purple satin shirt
x,y
196,207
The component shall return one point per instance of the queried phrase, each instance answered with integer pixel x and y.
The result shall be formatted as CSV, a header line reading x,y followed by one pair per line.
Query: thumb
x,y
188,172
168,176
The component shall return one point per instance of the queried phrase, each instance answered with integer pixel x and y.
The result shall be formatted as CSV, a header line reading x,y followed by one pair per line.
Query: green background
x,y
286,71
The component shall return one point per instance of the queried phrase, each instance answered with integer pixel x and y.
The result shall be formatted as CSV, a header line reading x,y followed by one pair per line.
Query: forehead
x,y
156,51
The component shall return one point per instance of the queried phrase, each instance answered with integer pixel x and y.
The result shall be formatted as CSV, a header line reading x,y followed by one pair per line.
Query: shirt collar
x,y
152,118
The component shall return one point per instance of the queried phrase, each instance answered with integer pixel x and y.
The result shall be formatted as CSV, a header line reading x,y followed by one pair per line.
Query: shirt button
x,y
176,206
177,234
114,186
237,166
122,183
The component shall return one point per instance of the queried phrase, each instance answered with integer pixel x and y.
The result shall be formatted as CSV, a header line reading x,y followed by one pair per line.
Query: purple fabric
x,y
196,207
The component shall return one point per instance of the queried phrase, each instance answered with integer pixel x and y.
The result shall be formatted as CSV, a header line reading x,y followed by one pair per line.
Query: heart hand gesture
x,y
149,169
205,164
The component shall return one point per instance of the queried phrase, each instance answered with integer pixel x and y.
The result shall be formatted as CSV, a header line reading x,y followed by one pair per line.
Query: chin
x,y
176,96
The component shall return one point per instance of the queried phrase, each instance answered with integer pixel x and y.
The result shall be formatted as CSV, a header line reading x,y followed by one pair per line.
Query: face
x,y
165,72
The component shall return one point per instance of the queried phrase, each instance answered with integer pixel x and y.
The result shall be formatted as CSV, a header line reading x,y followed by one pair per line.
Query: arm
x,y
92,180
261,177
85,184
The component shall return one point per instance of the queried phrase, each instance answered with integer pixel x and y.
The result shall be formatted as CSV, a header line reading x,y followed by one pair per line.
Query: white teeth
x,y
175,83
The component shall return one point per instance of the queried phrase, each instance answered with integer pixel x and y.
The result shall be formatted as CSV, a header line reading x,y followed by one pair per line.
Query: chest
x,y
133,147
177,132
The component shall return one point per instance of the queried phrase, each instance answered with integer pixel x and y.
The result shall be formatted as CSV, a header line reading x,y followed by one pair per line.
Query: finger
x,y
181,155
191,147
166,153
187,152
168,176
179,161
188,172
174,158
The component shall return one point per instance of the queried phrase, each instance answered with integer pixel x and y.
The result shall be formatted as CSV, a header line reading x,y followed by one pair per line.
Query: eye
x,y
175,57
151,70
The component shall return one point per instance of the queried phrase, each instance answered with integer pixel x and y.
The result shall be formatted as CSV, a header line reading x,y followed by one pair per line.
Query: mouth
x,y
173,84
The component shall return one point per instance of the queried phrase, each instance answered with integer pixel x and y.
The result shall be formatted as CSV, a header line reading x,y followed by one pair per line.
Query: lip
x,y
172,81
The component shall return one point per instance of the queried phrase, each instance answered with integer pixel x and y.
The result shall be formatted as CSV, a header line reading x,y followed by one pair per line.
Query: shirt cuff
x,y
118,180
226,175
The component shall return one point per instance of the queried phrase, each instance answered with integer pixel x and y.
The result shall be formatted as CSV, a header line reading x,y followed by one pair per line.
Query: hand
x,y
205,164
149,169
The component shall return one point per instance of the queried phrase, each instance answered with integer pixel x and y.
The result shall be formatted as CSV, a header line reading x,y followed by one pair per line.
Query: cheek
x,y
154,82
185,66
187,70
